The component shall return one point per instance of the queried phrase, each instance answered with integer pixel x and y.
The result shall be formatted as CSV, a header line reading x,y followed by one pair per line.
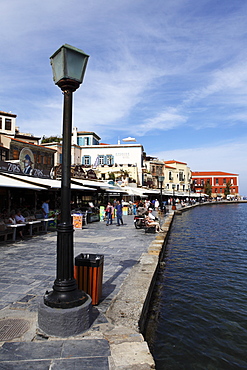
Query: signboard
x,y
15,168
91,174
77,221
102,213
77,172
26,160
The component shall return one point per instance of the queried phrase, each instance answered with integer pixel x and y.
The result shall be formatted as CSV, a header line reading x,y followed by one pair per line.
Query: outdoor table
x,y
45,222
15,226
31,223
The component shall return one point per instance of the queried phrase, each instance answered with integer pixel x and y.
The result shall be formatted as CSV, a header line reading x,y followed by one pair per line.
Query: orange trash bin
x,y
88,272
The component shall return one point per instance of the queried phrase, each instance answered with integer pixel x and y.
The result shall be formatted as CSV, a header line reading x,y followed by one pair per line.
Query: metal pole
x,y
65,293
161,201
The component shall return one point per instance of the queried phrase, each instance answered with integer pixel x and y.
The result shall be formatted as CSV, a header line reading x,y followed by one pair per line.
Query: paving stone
x,y
99,363
33,270
26,365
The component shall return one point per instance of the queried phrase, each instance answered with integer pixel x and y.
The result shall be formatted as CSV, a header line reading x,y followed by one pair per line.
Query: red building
x,y
218,180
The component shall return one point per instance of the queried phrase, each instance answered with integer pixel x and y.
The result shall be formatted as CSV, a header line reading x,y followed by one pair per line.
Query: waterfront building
x,y
177,176
218,182
120,162
153,168
20,153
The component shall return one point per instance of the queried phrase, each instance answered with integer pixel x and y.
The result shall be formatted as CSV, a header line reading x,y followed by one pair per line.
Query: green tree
x,y
227,190
111,176
208,189
125,174
51,139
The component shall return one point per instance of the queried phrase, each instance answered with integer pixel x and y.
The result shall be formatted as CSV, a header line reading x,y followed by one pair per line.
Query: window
x,y
86,160
8,124
216,190
86,141
167,186
109,159
15,154
3,155
181,176
232,181
101,159
217,181
220,190
1,123
80,141
170,175
224,181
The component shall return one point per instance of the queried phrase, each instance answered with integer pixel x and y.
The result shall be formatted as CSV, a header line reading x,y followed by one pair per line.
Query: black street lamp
x,y
161,179
68,65
173,197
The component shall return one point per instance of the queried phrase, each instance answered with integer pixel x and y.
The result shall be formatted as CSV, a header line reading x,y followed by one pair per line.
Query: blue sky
x,y
172,74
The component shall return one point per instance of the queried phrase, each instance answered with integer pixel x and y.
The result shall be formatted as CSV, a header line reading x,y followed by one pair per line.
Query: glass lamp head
x,y
69,63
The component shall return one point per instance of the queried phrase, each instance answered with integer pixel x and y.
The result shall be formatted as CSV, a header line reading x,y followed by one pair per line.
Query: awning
x,y
135,191
100,185
8,182
40,183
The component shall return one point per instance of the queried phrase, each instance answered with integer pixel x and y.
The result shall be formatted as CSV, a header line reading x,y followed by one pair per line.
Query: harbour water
x,y
199,316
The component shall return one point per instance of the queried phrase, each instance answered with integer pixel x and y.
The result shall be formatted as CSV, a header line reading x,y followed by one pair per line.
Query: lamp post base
x,y
66,299
65,323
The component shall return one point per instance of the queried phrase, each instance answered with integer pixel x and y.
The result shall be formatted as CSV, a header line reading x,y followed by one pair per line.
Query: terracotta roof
x,y
27,143
212,173
173,161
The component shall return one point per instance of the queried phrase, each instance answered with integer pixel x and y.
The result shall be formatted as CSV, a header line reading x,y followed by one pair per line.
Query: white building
x,y
7,123
123,161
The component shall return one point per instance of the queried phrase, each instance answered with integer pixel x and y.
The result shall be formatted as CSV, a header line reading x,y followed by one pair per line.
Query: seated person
x,y
12,219
20,220
151,215
151,223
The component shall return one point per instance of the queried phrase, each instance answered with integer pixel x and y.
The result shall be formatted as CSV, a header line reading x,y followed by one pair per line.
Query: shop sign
x,y
77,172
91,174
17,169
10,167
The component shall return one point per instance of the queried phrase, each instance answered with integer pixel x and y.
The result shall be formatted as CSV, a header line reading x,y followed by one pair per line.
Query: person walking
x,y
156,204
45,208
119,209
109,212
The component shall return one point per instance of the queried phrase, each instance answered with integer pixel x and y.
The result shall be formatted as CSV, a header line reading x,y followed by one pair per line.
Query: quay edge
x,y
129,309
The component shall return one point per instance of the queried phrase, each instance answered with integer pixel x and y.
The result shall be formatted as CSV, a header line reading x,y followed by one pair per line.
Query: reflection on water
x,y
199,318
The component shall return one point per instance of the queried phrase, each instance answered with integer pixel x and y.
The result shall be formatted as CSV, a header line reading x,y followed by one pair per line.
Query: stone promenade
x,y
28,269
